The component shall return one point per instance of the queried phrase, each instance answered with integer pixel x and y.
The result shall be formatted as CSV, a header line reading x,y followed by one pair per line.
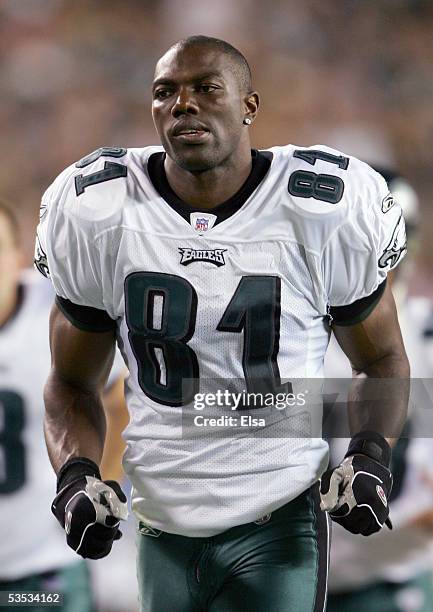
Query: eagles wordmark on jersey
x,y
243,293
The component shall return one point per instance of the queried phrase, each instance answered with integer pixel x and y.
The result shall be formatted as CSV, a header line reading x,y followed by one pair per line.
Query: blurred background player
x,y
392,571
33,552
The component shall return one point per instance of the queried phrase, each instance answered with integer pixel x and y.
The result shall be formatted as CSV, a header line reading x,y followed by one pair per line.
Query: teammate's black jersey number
x,y
168,368
12,449
324,187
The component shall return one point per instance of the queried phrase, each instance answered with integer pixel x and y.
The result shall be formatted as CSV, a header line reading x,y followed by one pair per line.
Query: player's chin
x,y
194,158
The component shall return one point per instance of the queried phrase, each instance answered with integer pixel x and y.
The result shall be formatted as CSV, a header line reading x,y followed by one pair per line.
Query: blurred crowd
x,y
355,74
76,74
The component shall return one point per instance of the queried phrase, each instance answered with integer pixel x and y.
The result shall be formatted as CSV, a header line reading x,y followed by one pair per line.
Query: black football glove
x,y
88,508
356,492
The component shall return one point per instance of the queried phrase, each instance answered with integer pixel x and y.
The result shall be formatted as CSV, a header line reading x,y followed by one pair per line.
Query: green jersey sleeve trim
x,y
359,310
86,318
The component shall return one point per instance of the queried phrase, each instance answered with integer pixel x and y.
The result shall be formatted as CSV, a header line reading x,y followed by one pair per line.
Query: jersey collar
x,y
261,162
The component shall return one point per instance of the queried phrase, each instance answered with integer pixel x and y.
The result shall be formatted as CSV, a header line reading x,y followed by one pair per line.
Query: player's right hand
x,y
88,508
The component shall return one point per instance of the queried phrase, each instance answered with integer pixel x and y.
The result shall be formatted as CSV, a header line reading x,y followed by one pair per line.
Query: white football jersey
x,y
31,539
240,293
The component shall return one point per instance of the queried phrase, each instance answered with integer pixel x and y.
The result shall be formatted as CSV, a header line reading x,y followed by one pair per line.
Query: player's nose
x,y
185,103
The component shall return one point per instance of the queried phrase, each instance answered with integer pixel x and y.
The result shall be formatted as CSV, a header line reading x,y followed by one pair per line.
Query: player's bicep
x,y
81,358
377,336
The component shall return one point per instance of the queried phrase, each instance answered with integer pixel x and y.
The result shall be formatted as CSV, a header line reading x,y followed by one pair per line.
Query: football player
x,y
392,571
33,554
208,260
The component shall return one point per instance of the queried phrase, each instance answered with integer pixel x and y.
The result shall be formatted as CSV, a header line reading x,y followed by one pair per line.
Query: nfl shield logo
x,y
201,224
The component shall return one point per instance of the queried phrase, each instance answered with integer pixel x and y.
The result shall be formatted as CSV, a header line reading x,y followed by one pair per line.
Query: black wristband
x,y
373,445
75,468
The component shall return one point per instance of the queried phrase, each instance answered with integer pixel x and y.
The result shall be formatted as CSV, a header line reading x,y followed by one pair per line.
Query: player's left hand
x,y
356,492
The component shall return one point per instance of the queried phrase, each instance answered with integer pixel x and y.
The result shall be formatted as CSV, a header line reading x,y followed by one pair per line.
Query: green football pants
x,y
277,564
73,581
415,595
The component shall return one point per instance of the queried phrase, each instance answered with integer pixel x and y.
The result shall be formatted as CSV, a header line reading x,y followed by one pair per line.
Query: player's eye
x,y
160,94
206,88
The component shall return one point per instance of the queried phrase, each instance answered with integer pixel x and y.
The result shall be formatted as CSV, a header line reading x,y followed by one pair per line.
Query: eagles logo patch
x,y
396,246
387,203
40,261
43,209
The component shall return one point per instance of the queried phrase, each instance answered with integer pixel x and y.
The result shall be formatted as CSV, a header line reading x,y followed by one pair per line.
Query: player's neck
x,y
9,304
210,188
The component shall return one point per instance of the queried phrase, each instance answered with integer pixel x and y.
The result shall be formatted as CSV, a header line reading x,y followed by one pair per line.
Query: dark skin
x,y
74,416
198,89
376,351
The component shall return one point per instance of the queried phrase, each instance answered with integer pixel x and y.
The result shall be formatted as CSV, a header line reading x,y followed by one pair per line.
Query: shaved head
x,y
238,62
201,96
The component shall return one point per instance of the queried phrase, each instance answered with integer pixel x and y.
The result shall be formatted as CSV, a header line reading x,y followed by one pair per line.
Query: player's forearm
x,y
379,397
74,423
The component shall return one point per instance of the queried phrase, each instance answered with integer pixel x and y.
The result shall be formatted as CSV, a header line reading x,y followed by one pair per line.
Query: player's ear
x,y
251,105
